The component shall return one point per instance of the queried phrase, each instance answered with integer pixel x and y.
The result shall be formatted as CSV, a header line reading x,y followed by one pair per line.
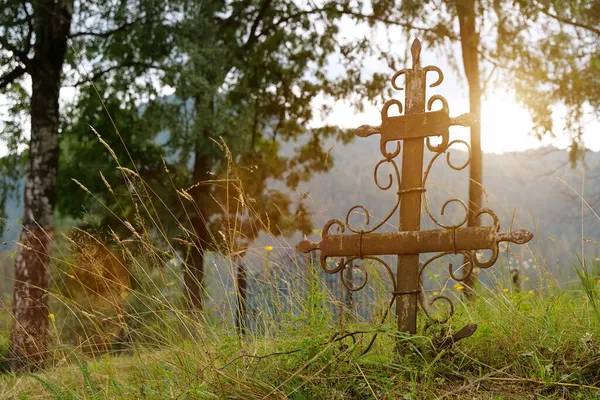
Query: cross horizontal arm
x,y
413,242
421,125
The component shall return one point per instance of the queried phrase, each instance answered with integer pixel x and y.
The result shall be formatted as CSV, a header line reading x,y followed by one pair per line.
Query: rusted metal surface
x,y
463,333
411,242
414,129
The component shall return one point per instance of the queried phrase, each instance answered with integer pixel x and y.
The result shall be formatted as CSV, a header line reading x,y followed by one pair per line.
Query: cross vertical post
x,y
407,272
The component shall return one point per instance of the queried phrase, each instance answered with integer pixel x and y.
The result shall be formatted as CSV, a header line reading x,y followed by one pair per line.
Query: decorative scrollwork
x,y
471,258
429,68
445,135
431,302
495,249
366,214
350,261
468,255
384,117
453,200
397,173
404,71
351,286
433,68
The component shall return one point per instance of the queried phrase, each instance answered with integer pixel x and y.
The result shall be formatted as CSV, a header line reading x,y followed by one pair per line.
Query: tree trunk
x,y
242,290
29,337
469,40
194,272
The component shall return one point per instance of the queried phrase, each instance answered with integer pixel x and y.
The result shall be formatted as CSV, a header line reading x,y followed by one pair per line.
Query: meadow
x,y
121,329
528,345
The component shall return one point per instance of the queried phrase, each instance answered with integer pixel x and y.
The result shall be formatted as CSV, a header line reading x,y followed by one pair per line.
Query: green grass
x,y
541,343
526,346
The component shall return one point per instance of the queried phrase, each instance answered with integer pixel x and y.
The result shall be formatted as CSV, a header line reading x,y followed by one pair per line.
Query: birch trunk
x,y
29,336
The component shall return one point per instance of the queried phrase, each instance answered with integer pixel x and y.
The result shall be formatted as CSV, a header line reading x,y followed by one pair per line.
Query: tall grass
x,y
122,329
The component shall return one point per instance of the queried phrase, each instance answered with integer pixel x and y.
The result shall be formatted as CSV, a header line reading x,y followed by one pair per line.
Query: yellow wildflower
x,y
505,290
526,278
458,286
436,293
51,317
530,292
269,249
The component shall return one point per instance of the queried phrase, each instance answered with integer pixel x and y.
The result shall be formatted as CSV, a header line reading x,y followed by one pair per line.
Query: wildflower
x,y
526,278
436,293
458,286
269,249
530,292
51,317
505,290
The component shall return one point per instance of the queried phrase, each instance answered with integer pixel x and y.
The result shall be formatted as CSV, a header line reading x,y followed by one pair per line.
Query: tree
x,y
42,59
248,75
34,36
502,42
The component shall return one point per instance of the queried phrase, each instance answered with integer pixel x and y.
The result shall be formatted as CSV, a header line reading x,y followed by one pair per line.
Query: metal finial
x,y
415,50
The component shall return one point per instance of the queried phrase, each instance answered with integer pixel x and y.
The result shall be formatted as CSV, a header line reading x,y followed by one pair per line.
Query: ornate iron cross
x,y
415,129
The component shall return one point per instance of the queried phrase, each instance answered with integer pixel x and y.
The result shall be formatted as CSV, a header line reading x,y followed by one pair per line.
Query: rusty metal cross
x,y
415,127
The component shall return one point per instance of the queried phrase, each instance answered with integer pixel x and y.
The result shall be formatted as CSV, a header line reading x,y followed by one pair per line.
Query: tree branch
x,y
11,76
569,22
261,13
288,18
20,54
407,25
99,73
105,34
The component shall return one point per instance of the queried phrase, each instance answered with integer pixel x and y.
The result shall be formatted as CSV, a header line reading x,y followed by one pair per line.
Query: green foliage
x,y
589,285
59,391
85,158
